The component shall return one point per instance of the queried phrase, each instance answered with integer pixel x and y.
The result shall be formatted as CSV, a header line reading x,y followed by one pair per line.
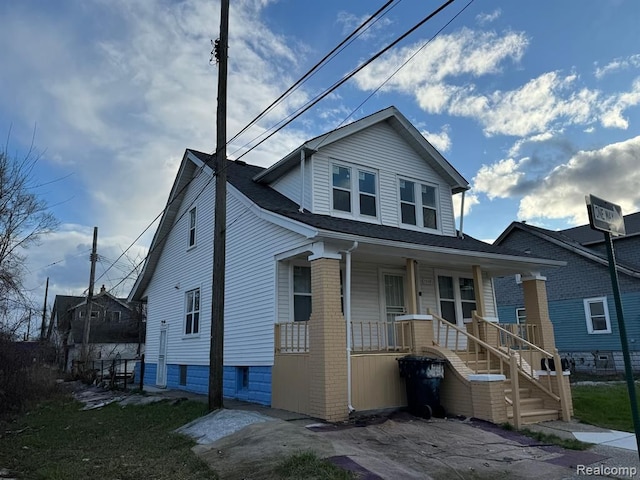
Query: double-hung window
x,y
192,312
341,188
418,204
354,191
301,293
367,191
596,312
192,227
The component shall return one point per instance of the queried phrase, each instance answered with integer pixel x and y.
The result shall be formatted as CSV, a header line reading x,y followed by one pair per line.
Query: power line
x,y
283,123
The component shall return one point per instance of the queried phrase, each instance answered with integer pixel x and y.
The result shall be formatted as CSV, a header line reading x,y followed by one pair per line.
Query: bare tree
x,y
24,218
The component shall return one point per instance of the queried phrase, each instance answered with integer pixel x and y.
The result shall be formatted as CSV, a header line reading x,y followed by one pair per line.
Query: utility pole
x,y
44,311
216,348
87,318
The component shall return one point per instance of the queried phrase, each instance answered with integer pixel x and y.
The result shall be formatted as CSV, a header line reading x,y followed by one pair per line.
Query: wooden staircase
x,y
532,407
534,400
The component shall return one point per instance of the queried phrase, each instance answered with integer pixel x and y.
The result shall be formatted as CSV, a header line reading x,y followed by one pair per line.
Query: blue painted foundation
x,y
251,384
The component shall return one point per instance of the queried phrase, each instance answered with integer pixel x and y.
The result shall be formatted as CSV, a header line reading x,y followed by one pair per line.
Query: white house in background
x,y
355,227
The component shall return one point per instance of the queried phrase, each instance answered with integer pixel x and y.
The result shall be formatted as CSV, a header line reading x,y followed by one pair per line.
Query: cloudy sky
x,y
535,103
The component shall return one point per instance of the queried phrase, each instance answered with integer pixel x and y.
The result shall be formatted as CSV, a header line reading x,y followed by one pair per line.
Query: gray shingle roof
x,y
240,175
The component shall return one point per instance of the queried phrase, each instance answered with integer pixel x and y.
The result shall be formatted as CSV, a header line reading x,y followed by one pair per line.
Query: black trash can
x,y
422,379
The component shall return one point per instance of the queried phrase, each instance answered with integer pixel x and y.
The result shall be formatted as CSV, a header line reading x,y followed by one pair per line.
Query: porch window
x,y
597,315
418,204
341,188
521,316
192,312
301,293
192,227
457,298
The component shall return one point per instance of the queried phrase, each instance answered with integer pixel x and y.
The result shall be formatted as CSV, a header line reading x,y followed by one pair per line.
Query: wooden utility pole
x,y
44,312
216,348
87,318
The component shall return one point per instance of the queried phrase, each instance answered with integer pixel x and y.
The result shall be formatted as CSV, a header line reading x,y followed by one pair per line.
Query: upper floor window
x,y
365,200
192,312
596,312
192,227
418,204
341,188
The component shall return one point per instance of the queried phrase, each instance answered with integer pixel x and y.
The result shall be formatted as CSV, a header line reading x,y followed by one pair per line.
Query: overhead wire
x,y
289,119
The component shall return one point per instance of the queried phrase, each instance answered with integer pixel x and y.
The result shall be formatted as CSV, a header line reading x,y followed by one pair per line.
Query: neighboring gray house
x,y
116,327
581,304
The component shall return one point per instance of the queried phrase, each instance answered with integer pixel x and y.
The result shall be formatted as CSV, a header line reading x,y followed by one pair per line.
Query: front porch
x,y
392,309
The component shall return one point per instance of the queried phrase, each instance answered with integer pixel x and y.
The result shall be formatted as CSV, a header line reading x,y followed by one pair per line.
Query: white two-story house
x,y
341,257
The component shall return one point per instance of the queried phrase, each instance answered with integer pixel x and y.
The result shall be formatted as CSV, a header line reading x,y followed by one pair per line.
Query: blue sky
x,y
535,103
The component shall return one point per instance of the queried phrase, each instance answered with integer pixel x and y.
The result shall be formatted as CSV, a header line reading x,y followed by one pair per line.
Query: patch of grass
x,y
606,405
308,466
549,438
59,441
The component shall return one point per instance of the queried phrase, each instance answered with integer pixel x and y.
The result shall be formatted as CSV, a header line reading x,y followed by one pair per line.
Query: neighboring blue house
x,y
581,304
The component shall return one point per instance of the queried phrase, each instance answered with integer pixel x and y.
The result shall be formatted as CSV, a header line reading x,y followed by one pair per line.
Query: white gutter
x,y
461,235
347,317
302,159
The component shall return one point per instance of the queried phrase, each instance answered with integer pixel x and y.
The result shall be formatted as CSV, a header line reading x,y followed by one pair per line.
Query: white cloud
x,y
539,138
484,18
499,179
632,61
373,31
610,172
441,140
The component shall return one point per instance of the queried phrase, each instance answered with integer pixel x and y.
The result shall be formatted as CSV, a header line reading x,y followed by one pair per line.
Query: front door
x,y
394,303
161,374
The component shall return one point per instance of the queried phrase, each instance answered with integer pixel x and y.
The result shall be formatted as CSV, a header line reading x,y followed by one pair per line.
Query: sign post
x,y
607,217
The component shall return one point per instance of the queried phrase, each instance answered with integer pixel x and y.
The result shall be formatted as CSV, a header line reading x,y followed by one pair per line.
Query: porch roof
x,y
465,248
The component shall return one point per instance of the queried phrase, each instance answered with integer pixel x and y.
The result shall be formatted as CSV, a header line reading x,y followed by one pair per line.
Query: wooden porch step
x,y
529,417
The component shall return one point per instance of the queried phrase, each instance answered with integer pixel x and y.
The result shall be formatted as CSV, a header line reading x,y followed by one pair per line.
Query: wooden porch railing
x,y
499,359
292,337
528,332
366,337
369,337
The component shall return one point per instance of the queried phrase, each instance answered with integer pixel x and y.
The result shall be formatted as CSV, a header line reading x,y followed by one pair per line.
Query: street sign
x,y
605,216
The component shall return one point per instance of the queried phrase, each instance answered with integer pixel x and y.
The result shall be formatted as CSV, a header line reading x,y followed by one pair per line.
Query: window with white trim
x,y
341,188
596,312
355,194
521,316
192,312
301,293
418,204
192,227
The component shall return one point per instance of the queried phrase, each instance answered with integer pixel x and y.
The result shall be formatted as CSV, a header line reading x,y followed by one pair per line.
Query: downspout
x,y
460,234
302,161
347,317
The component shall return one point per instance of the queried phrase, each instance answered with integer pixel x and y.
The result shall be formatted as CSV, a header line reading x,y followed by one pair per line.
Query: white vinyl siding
x,y
290,184
377,149
250,300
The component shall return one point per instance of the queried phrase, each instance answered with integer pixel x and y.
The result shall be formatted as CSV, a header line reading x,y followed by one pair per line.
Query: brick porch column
x,y
537,310
327,343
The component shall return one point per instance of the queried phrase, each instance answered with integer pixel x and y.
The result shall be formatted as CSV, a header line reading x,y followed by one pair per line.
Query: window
x,y
301,293
182,380
192,227
457,298
113,316
364,183
367,190
192,308
417,197
341,188
521,316
596,312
